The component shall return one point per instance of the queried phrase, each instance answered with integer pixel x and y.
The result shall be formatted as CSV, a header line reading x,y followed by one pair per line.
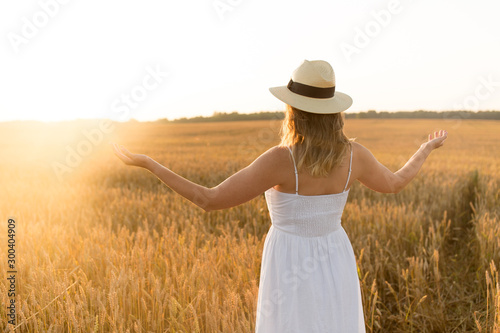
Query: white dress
x,y
308,281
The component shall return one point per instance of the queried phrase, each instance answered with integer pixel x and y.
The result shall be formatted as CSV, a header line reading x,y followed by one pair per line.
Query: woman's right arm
x,y
377,177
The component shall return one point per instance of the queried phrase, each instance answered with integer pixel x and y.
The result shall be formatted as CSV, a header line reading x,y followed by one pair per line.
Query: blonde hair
x,y
318,141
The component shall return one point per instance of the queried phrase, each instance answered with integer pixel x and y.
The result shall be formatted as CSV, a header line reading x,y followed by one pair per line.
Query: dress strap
x,y
296,174
350,165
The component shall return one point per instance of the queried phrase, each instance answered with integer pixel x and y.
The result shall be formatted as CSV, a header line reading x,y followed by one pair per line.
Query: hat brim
x,y
338,103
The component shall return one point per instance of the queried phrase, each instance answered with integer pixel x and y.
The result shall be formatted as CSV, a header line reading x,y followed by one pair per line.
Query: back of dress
x,y
308,281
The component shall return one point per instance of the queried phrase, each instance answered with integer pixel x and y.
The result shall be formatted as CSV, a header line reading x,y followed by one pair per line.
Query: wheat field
x,y
101,247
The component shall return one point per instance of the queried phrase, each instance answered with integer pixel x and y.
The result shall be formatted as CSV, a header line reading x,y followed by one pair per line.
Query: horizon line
x,y
215,113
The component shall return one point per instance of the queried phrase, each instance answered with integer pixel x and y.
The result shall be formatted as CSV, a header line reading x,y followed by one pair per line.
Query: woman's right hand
x,y
377,177
437,139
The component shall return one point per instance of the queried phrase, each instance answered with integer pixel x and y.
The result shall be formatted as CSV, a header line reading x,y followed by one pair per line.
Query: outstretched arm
x,y
235,190
379,178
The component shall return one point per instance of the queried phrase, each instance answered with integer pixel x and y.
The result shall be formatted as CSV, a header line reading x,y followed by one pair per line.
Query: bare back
x,y
336,182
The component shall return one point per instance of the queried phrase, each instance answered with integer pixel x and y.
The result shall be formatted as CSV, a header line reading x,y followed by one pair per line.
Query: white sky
x,y
83,60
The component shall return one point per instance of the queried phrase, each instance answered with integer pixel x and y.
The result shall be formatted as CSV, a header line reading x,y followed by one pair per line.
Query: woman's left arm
x,y
241,187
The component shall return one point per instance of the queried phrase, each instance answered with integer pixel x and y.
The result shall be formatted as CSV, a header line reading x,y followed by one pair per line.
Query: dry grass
x,y
149,261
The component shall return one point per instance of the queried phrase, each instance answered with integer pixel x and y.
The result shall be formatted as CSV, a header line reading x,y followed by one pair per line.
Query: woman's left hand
x,y
438,139
128,158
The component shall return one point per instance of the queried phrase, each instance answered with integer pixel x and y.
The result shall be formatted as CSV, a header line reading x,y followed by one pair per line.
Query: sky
x,y
71,59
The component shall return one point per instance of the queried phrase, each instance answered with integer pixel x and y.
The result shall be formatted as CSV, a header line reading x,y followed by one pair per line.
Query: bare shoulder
x,y
363,160
274,157
360,151
272,163
277,151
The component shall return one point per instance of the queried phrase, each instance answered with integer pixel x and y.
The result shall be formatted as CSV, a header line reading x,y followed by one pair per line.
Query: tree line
x,y
235,116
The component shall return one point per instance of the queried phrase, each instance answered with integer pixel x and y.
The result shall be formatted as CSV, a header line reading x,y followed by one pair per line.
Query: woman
x,y
308,280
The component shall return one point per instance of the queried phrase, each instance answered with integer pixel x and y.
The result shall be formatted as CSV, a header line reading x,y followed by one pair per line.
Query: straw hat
x,y
312,89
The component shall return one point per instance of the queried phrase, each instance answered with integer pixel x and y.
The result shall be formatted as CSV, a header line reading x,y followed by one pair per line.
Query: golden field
x,y
102,247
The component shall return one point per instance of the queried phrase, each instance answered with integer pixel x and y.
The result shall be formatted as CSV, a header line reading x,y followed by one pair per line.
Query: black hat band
x,y
310,91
